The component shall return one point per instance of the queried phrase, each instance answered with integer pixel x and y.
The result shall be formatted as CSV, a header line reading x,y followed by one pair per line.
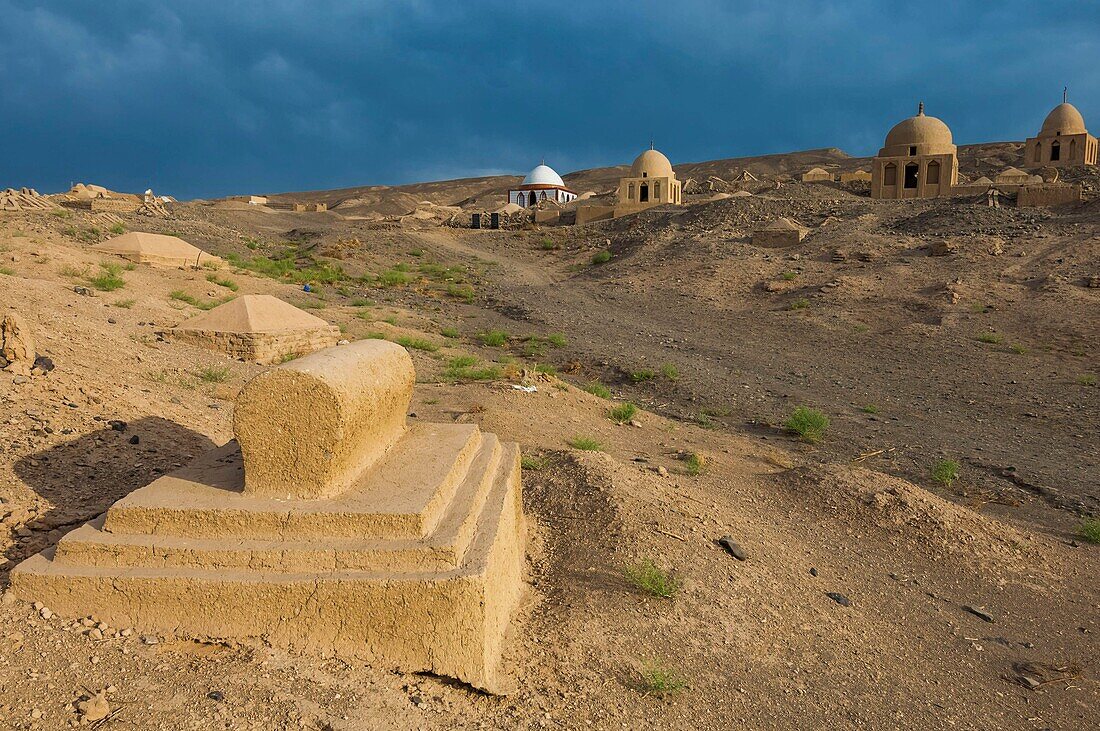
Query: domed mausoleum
x,y
541,184
651,182
918,160
1063,140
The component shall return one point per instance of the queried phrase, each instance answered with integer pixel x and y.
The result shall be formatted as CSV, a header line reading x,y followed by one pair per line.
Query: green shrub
x,y
659,680
623,413
1090,530
788,276
118,228
534,464
227,283
416,343
7,272
546,368
108,280
585,444
182,296
548,244
362,302
993,338
946,472
493,338
598,389
214,374
601,257
650,578
124,304
463,292
556,339
642,375
694,463
1086,380
449,332
463,368
809,424
799,304
670,372
869,409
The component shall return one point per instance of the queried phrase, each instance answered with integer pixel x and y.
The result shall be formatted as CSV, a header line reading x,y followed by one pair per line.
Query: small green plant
x,y
869,409
124,304
799,304
546,368
601,257
464,368
548,244
214,374
556,339
1086,380
598,389
71,271
181,296
992,338
362,302
7,272
946,472
531,463
416,343
109,280
623,413
670,372
656,679
649,577
809,424
585,444
1018,349
1090,530
493,338
394,277
449,332
641,375
416,252
227,283
788,276
287,357
694,463
118,228
463,292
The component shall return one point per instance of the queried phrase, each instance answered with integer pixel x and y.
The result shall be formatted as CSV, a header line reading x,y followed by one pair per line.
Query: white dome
x,y
543,175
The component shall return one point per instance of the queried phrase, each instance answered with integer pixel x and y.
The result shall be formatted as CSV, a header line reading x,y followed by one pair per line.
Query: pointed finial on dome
x,y
543,160
920,109
1065,90
651,143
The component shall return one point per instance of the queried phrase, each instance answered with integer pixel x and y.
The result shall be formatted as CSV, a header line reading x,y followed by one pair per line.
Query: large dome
x,y
919,130
543,175
918,135
1064,119
651,164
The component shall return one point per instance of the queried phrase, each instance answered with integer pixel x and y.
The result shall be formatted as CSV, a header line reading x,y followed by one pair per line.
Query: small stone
x,y
95,708
95,633
813,571
117,424
984,616
838,598
45,612
7,599
1030,682
733,548
150,640
662,471
127,632
216,695
135,439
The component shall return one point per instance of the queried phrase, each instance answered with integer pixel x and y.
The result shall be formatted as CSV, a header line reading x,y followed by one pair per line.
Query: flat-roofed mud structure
x,y
327,526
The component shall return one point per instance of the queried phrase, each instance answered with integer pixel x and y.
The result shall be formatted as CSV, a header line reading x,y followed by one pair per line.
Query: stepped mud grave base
x,y
327,526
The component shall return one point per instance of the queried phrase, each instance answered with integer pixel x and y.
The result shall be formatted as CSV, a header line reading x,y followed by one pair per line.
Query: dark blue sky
x,y
200,98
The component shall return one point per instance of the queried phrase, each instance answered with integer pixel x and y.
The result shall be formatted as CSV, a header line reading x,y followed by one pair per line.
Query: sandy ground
x,y
751,644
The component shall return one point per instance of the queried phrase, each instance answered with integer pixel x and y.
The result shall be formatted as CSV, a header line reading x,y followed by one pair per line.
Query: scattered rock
x,y
135,439
984,616
84,291
216,695
733,548
117,424
813,571
838,598
17,353
94,709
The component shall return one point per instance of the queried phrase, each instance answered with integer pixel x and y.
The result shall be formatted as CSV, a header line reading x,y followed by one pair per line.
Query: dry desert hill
x,y
920,563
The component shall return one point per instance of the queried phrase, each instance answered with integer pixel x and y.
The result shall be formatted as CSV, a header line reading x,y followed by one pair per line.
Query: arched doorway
x,y
643,193
531,199
521,199
890,174
911,170
1055,151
